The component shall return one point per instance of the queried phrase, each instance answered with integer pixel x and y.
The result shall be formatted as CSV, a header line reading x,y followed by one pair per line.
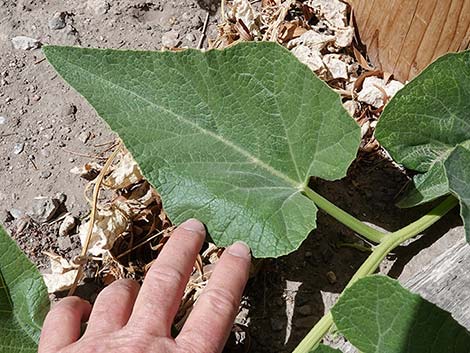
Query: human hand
x,y
125,319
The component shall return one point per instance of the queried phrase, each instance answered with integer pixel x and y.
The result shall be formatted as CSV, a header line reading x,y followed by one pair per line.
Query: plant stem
x,y
344,217
389,243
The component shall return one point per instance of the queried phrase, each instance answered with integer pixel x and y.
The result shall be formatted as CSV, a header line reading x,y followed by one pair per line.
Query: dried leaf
x,y
125,174
110,223
62,274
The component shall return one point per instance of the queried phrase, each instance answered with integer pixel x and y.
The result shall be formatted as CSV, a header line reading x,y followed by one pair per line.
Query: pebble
x,y
3,120
84,136
69,109
100,7
45,174
57,21
170,39
44,209
18,148
331,276
25,43
67,225
64,243
16,213
190,37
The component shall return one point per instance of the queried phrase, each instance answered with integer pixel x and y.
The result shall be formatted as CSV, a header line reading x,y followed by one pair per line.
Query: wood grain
x,y
404,36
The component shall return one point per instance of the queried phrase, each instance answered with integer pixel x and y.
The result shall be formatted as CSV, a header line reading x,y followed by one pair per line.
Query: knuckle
x,y
68,306
165,275
222,301
124,285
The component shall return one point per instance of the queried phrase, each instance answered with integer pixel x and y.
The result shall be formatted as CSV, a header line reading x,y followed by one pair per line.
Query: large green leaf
x,y
457,167
230,137
378,315
425,121
23,299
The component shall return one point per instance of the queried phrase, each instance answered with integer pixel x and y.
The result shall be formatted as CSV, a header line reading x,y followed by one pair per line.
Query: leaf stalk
x,y
390,242
344,217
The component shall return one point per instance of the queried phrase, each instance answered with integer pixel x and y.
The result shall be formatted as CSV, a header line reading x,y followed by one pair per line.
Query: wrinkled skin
x,y
129,319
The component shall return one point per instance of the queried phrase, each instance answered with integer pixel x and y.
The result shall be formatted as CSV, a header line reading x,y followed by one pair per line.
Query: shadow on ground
x,y
290,294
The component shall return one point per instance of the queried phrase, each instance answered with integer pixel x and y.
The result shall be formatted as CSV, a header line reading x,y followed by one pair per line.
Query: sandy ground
x,y
46,129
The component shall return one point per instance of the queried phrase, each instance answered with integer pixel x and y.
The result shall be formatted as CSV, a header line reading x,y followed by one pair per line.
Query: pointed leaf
x,y
24,301
378,315
230,137
458,173
424,122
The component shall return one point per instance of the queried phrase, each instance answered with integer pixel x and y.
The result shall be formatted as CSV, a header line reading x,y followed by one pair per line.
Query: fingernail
x,y
193,225
239,249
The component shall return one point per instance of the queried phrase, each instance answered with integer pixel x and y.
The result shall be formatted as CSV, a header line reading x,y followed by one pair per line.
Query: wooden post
x,y
404,36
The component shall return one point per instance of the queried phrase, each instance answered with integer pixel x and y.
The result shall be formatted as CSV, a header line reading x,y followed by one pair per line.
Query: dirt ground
x,y
46,129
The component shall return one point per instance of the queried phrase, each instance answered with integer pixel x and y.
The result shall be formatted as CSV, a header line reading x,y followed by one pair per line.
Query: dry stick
x,y
222,10
142,243
204,29
96,192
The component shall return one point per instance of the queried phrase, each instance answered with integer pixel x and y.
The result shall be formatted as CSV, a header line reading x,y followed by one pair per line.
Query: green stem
x,y
391,241
344,217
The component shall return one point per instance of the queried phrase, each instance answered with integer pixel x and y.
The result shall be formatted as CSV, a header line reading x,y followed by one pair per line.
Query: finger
x,y
162,290
63,323
113,307
209,324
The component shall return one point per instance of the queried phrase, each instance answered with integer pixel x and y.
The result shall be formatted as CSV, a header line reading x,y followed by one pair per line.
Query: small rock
x,y
44,209
64,243
45,174
25,43
69,109
100,7
16,213
84,136
331,276
170,39
18,148
3,120
190,37
57,21
67,225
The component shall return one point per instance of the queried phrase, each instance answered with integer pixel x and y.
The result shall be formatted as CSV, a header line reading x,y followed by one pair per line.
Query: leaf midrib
x,y
252,159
